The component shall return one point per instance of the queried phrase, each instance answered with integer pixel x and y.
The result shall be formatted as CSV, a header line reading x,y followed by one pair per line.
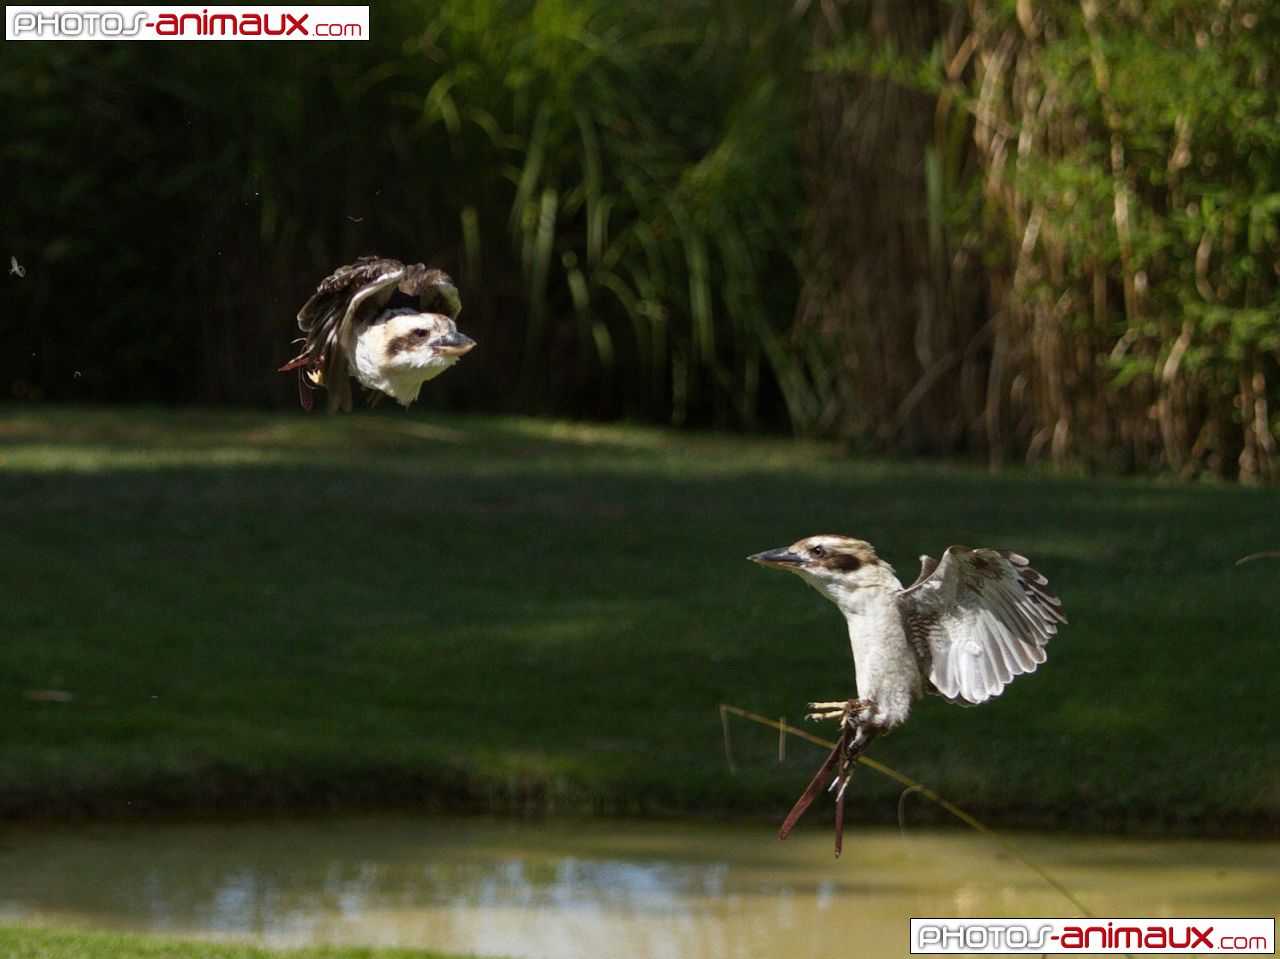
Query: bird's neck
x,y
866,598
868,602
883,661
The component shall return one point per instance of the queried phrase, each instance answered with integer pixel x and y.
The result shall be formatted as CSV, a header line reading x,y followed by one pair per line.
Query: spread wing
x,y
352,296
977,619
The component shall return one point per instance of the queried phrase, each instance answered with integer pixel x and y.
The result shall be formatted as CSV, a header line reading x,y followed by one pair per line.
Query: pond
x,y
570,889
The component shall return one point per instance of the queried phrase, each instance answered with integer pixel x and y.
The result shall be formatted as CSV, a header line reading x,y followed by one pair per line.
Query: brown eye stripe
x,y
846,562
399,344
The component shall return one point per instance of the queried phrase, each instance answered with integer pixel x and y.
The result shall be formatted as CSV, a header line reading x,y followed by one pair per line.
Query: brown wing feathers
x,y
978,619
1035,588
351,296
433,289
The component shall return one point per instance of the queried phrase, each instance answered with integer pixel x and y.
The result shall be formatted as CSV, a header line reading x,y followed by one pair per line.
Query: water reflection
x,y
571,889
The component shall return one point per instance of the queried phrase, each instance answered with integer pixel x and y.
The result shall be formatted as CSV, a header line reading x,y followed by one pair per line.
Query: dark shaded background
x,y
174,204
1025,231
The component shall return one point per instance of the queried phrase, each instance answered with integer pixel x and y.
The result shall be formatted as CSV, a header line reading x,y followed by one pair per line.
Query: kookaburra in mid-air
x,y
962,630
389,325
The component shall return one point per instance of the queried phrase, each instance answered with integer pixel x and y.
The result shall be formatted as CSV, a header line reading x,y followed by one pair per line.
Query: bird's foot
x,y
847,711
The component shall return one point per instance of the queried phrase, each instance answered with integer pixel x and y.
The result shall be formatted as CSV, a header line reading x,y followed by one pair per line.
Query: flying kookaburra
x,y
389,325
962,630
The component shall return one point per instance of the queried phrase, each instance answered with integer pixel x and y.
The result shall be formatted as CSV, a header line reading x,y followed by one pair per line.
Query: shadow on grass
x,y
255,612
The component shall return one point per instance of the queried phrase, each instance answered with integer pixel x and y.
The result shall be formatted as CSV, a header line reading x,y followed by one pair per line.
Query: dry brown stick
x,y
1265,554
969,820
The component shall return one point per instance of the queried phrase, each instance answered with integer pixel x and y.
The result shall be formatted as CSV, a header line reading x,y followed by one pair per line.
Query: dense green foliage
x,y
1040,231
615,185
252,612
1106,176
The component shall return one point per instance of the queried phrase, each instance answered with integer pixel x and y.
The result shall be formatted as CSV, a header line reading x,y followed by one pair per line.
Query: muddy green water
x,y
569,889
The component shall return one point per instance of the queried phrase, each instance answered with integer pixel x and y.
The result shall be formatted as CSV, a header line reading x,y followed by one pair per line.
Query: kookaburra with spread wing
x,y
963,630
389,325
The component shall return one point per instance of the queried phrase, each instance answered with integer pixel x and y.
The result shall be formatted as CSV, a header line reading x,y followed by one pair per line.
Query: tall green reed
x,y
1101,288
615,185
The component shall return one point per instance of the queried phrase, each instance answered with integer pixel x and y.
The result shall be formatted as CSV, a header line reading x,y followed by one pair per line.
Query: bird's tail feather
x,y
816,786
837,768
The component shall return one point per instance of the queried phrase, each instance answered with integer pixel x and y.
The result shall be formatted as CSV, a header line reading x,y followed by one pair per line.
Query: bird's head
x,y
835,566
420,343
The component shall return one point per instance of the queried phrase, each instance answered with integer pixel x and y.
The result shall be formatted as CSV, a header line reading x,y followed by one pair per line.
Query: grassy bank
x,y
18,943
232,611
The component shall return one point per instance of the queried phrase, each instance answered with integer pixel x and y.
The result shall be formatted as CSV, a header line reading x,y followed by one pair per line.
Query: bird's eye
x,y
817,551
422,334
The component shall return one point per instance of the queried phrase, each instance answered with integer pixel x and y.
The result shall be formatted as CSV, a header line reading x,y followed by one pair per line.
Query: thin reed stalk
x,y
968,819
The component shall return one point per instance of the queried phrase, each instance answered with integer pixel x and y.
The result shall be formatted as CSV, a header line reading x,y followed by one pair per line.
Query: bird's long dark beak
x,y
453,344
781,558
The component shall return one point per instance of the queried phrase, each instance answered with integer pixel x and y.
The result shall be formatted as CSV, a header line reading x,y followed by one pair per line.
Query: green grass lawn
x,y
253,612
19,943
